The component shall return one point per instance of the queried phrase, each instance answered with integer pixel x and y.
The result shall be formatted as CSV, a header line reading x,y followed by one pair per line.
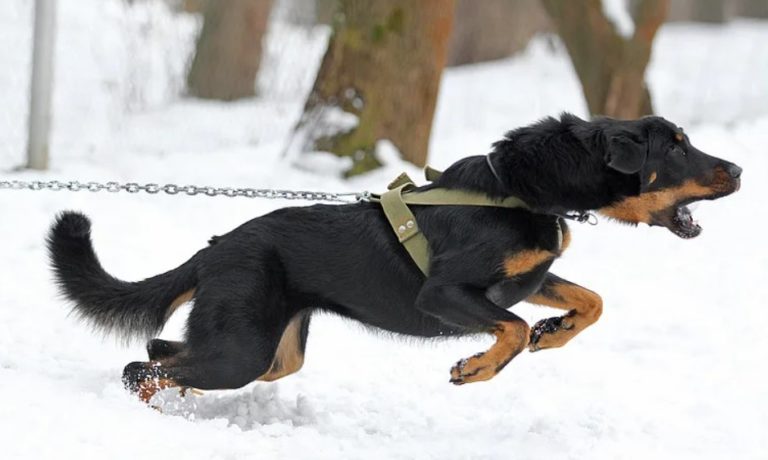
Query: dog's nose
x,y
734,171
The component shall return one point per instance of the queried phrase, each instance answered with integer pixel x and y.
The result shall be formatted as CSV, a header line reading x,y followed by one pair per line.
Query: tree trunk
x,y
383,65
229,49
325,10
191,6
679,10
611,68
709,11
495,30
753,9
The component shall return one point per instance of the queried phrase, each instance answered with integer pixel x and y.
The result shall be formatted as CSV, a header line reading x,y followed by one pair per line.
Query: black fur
x,y
111,305
251,282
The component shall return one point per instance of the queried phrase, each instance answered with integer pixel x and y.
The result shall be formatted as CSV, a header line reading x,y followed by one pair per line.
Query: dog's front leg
x,y
467,308
584,308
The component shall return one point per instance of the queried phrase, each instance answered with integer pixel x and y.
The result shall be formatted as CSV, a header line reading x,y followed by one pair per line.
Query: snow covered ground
x,y
674,369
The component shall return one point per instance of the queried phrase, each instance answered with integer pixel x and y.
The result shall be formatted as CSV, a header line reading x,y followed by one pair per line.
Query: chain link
x,y
189,190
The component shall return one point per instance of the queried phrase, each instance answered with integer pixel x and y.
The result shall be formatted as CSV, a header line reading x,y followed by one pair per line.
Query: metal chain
x,y
189,190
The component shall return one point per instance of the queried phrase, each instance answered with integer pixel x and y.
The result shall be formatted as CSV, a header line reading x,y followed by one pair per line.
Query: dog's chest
x,y
551,238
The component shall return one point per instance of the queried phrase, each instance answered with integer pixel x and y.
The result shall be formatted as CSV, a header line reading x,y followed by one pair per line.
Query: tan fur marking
x,y
526,260
511,339
149,387
566,239
538,299
679,137
585,307
288,358
179,301
653,177
641,208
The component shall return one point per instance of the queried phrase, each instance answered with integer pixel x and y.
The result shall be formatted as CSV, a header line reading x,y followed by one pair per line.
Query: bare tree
x,y
189,6
753,8
611,68
716,11
325,10
497,29
709,11
229,49
383,65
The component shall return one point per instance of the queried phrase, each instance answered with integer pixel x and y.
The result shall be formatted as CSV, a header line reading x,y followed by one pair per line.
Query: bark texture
x,y
611,68
229,49
383,65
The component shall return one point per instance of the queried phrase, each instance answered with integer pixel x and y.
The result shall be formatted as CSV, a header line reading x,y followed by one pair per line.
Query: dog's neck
x,y
554,169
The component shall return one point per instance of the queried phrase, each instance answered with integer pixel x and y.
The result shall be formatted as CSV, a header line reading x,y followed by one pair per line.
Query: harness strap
x,y
448,197
395,205
432,174
403,223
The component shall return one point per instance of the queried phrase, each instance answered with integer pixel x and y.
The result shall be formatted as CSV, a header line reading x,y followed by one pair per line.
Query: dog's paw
x,y
473,369
550,333
146,379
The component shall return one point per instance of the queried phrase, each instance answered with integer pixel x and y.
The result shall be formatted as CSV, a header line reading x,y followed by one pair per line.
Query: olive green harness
x,y
401,194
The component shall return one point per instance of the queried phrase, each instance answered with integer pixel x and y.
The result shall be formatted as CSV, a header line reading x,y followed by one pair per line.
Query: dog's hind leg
x,y
229,362
584,308
157,348
233,333
191,371
290,351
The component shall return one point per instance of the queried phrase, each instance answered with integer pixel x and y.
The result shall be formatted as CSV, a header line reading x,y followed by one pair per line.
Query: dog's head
x,y
672,174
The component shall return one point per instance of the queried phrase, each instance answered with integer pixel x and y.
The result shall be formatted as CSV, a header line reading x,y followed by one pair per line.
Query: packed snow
x,y
675,368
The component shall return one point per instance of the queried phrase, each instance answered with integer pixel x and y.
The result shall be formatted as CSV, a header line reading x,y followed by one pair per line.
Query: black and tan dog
x,y
255,288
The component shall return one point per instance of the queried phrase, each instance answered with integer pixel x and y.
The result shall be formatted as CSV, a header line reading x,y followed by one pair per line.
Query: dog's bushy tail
x,y
129,309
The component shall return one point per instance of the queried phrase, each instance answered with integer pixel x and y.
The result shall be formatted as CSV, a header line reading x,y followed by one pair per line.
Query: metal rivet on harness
x,y
403,222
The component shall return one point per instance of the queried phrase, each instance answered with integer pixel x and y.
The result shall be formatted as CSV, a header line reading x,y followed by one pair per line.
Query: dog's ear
x,y
625,150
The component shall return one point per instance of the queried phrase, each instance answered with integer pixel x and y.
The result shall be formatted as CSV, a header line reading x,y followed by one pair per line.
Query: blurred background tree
x,y
385,58
383,65
494,30
228,49
716,11
753,8
611,68
708,11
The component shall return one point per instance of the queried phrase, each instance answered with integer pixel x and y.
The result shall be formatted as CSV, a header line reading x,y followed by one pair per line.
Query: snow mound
x,y
261,408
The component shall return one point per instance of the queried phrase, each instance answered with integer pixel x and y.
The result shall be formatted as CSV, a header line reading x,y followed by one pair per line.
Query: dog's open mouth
x,y
683,224
679,218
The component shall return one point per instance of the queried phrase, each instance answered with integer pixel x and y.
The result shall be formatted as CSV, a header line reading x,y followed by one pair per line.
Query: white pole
x,y
42,85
